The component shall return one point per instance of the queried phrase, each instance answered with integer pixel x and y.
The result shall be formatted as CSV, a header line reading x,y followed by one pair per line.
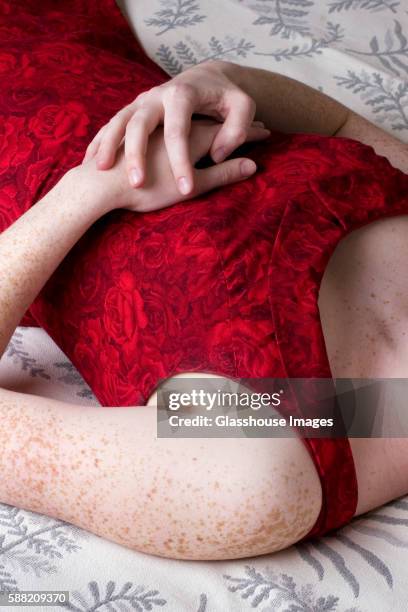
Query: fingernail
x,y
135,176
247,167
219,155
184,185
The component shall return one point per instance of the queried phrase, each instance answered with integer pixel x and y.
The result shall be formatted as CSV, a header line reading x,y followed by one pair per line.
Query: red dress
x,y
226,284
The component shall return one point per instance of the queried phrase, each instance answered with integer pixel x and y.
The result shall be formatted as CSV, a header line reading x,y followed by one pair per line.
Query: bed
x,y
356,51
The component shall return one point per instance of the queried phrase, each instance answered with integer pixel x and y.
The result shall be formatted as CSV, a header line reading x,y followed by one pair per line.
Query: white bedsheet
x,y
353,50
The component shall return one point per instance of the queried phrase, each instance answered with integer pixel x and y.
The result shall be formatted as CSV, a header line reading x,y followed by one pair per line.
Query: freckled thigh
x,y
363,306
105,470
232,498
363,302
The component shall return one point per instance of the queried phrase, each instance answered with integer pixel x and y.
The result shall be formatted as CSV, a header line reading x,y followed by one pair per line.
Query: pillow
x,y
224,284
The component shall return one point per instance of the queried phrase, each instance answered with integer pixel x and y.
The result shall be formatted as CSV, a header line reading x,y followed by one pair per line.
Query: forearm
x,y
33,247
285,104
360,129
290,106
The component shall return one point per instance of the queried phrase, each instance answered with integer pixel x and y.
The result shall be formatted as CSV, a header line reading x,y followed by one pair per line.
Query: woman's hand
x,y
159,189
209,89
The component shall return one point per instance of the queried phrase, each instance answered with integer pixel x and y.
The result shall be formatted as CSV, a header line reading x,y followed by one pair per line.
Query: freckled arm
x,y
33,247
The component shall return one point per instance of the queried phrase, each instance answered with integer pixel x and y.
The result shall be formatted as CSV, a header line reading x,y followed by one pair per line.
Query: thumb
x,y
228,172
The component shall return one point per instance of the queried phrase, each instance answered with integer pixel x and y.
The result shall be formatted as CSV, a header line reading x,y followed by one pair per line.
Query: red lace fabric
x,y
226,284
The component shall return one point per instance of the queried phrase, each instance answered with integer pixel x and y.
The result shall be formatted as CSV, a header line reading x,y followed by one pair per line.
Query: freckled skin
x,y
240,497
367,274
363,306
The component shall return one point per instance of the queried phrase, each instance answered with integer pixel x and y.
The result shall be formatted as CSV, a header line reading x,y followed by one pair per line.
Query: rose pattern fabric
x,y
227,283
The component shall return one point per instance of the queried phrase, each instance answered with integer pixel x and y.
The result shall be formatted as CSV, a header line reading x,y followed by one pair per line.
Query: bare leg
x,y
364,311
104,470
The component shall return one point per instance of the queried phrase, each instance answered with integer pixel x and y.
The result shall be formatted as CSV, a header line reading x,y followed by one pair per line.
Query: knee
x,y
244,498
271,500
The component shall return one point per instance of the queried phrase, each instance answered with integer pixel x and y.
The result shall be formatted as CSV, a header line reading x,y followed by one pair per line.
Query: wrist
x,y
96,189
233,72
